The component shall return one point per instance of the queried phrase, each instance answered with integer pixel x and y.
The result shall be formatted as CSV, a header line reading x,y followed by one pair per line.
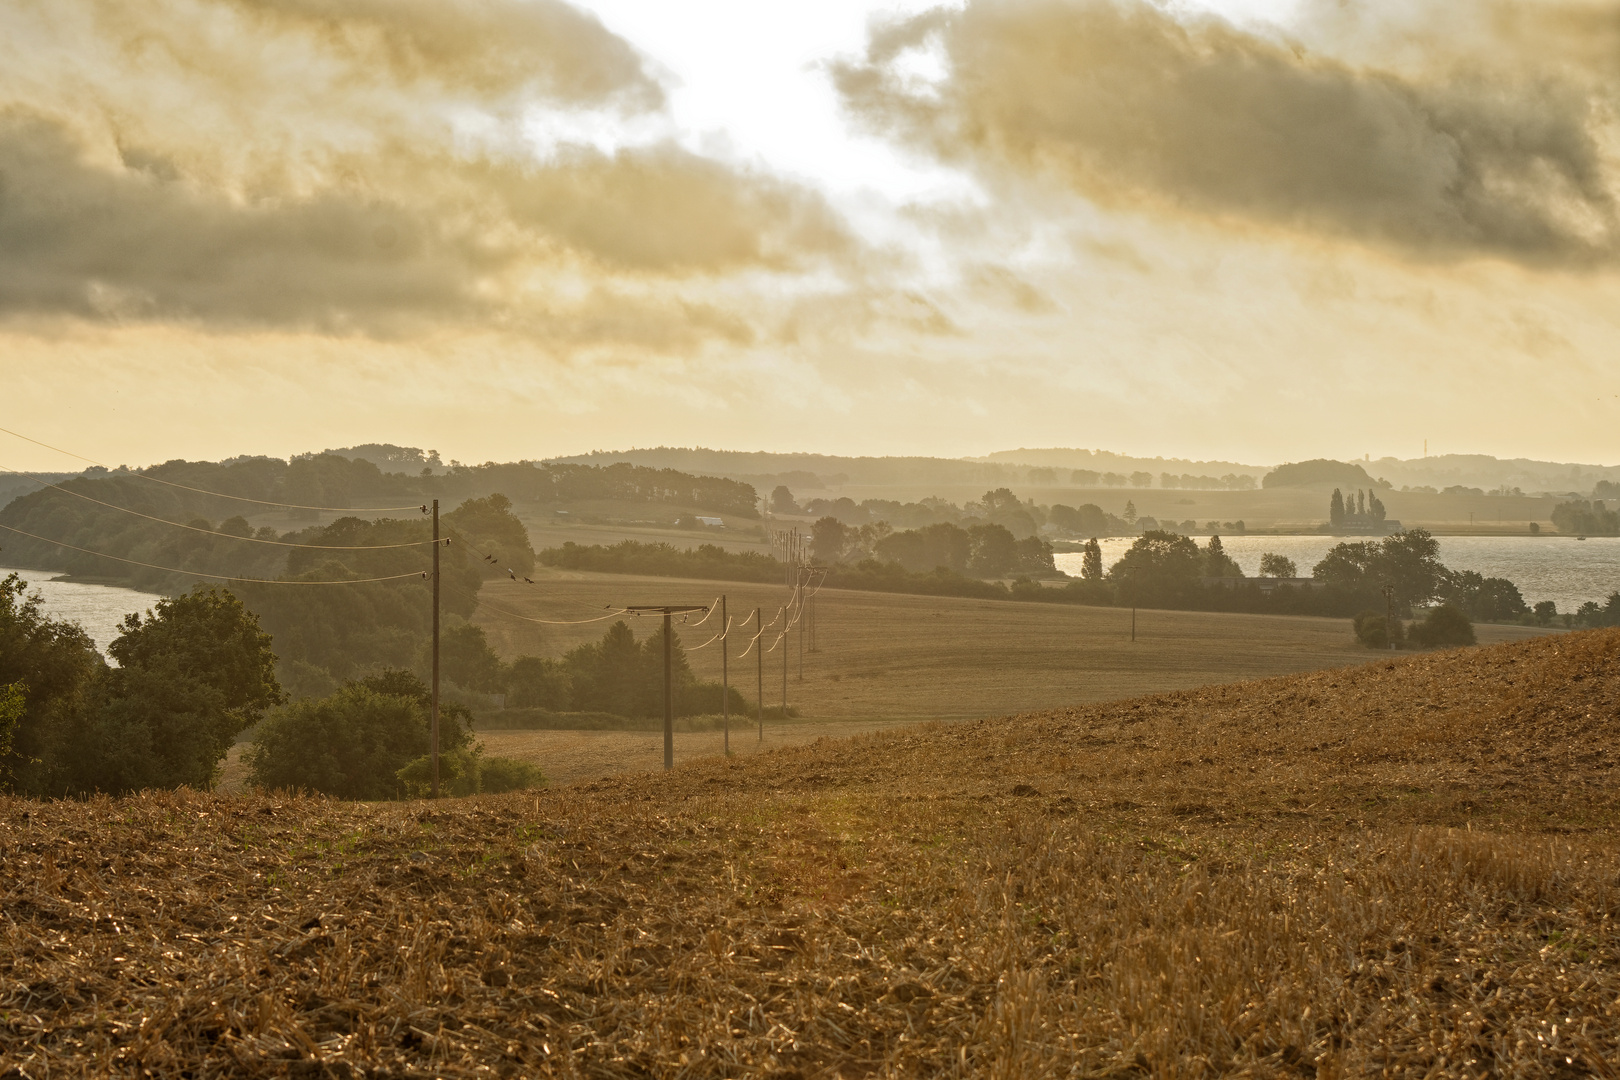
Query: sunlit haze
x,y
514,229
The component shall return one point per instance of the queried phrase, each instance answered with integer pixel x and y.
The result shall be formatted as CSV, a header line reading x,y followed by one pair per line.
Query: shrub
x,y
1444,625
509,774
1378,632
458,774
466,771
351,744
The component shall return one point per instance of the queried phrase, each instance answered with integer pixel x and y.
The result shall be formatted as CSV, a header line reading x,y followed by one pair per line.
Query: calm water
x,y
97,608
1557,568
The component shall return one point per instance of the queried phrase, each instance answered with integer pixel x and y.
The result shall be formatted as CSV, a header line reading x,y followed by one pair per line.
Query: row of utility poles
x,y
804,578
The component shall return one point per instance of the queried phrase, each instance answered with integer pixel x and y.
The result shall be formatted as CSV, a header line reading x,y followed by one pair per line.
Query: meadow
x,y
1406,868
882,656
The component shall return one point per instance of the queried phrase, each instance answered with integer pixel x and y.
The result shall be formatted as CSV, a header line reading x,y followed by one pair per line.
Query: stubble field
x,y
1406,868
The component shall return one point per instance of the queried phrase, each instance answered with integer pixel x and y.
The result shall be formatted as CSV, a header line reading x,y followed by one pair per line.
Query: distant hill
x,y
761,468
1108,461
1318,471
1490,473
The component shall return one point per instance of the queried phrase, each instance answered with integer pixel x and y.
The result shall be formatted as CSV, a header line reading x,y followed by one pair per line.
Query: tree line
x,y
191,677
1161,569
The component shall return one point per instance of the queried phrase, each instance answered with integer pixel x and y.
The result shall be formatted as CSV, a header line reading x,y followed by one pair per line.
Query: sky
x,y
1261,231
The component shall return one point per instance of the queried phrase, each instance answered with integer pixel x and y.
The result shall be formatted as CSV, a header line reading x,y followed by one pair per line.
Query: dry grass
x,y
884,655
1404,869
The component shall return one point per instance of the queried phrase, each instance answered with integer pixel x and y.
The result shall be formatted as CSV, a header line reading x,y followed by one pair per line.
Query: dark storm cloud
x,y
1129,105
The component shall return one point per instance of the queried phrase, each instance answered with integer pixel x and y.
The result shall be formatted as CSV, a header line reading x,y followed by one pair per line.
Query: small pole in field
x,y
1389,614
668,610
433,732
1133,622
759,664
725,682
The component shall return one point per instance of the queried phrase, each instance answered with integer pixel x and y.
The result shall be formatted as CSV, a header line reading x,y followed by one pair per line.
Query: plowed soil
x,y
1406,868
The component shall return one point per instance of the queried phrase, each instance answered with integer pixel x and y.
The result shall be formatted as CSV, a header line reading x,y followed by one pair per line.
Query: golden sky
x,y
504,229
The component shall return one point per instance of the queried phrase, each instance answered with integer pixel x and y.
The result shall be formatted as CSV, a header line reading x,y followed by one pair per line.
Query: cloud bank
x,y
361,165
1126,104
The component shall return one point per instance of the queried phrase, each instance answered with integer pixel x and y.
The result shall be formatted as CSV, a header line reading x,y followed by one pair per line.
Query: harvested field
x,y
1406,868
889,656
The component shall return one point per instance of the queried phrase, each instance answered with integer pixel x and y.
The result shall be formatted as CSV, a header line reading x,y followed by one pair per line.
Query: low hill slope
x,y
1405,868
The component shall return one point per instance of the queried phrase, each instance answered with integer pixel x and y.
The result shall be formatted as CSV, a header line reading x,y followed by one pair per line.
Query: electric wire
x,y
712,609
213,494
211,532
751,643
215,577
552,622
717,637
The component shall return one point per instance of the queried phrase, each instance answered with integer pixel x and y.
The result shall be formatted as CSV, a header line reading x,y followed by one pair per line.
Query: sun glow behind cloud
x,y
516,228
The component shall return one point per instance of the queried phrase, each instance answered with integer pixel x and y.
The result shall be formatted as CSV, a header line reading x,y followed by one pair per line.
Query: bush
x,y
1444,625
509,774
466,771
350,744
1378,632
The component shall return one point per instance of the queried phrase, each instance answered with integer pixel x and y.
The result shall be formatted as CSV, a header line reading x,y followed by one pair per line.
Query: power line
x,y
714,639
211,532
551,622
213,494
215,577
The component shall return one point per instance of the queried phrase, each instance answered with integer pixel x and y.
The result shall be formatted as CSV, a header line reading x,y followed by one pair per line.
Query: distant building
x,y
712,522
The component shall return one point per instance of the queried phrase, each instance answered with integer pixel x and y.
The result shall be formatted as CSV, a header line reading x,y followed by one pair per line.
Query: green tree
x,y
1545,612
1091,563
1581,518
1483,598
490,525
191,676
12,704
1217,563
539,683
1407,562
1280,566
1160,567
1410,563
828,539
1336,509
993,551
56,667
782,501
466,659
1130,512
1002,508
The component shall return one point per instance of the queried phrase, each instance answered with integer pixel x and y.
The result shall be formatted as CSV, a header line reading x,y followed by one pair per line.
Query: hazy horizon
x,y
1254,231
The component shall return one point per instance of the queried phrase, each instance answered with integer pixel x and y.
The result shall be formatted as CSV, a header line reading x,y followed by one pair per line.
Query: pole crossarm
x,y
667,610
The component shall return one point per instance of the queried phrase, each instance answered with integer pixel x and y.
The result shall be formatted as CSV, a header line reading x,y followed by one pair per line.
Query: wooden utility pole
x,y
759,664
668,610
1133,622
786,628
1389,614
433,726
725,682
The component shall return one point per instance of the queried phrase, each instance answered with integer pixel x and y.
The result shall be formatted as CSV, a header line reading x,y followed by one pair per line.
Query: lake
x,y
97,608
1558,568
